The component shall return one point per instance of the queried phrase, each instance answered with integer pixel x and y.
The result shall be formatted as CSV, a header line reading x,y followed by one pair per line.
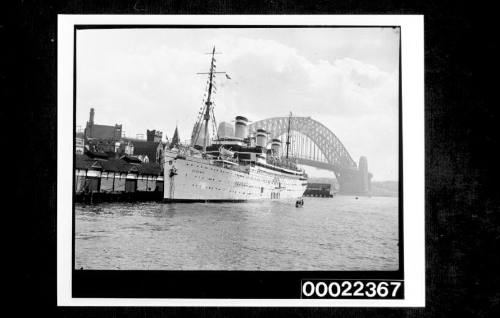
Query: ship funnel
x,y
240,127
276,146
261,138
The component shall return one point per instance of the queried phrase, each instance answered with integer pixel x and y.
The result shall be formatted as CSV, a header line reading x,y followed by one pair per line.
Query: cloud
x,y
147,80
272,76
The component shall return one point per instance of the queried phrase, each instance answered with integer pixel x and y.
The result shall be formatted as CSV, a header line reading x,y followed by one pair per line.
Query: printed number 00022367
x,y
351,289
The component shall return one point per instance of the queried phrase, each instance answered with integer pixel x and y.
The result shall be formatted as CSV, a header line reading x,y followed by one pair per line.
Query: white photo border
x,y
412,76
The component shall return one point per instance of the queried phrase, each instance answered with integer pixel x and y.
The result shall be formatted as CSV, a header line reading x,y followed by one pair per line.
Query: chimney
x,y
91,119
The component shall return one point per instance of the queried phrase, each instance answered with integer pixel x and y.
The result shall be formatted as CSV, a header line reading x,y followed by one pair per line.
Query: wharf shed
x,y
319,190
98,173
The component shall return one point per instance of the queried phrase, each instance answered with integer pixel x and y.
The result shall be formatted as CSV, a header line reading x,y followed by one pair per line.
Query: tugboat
x,y
233,169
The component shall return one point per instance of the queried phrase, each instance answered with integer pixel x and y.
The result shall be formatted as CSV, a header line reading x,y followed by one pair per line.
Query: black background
x,y
461,204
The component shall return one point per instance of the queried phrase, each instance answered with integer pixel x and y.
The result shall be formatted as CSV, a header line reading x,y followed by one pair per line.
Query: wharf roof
x,y
84,162
131,159
151,168
118,165
97,155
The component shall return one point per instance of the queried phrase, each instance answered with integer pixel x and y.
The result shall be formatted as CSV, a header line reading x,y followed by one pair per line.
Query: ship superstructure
x,y
245,167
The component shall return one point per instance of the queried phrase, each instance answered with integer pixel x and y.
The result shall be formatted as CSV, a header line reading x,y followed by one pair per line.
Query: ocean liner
x,y
235,169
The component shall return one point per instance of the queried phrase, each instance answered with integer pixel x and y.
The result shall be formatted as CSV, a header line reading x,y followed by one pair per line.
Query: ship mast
x,y
208,102
288,135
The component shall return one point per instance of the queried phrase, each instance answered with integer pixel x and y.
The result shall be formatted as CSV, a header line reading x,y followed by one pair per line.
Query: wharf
x,y
100,179
322,190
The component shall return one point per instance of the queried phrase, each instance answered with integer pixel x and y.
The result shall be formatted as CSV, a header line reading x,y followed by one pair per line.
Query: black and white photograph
x,y
255,128
238,148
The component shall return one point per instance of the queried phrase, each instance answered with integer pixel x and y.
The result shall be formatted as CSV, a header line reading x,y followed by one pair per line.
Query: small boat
x,y
299,203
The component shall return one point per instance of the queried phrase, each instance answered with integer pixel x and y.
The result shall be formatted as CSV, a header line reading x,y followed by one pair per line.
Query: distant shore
x,y
379,188
385,188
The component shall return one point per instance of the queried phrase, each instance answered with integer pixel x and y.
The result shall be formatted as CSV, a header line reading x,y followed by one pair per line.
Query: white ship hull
x,y
198,179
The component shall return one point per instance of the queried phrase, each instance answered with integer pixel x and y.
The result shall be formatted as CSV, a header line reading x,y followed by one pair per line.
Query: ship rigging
x,y
207,111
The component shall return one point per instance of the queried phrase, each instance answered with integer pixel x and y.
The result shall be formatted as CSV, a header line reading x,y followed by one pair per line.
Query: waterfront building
x,y
154,135
319,190
152,149
95,173
143,158
93,130
79,143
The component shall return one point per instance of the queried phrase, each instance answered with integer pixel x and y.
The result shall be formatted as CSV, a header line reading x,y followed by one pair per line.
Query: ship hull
x,y
191,179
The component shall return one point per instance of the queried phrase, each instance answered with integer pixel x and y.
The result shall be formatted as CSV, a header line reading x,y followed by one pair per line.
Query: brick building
x,y
93,130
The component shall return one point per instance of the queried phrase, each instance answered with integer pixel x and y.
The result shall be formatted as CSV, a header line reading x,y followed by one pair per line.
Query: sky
x,y
345,78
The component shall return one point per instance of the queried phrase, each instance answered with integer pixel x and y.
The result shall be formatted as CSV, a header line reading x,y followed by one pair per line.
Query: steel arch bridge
x,y
313,144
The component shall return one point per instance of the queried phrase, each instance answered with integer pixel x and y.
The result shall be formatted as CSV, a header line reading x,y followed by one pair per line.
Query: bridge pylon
x,y
355,181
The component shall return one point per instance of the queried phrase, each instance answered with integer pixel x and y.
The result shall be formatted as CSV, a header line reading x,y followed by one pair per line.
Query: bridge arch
x,y
326,141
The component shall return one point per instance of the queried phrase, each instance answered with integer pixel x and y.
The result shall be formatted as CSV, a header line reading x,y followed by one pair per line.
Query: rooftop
x,y
86,162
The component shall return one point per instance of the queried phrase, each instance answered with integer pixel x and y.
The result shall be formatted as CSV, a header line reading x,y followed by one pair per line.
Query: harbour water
x,y
340,233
